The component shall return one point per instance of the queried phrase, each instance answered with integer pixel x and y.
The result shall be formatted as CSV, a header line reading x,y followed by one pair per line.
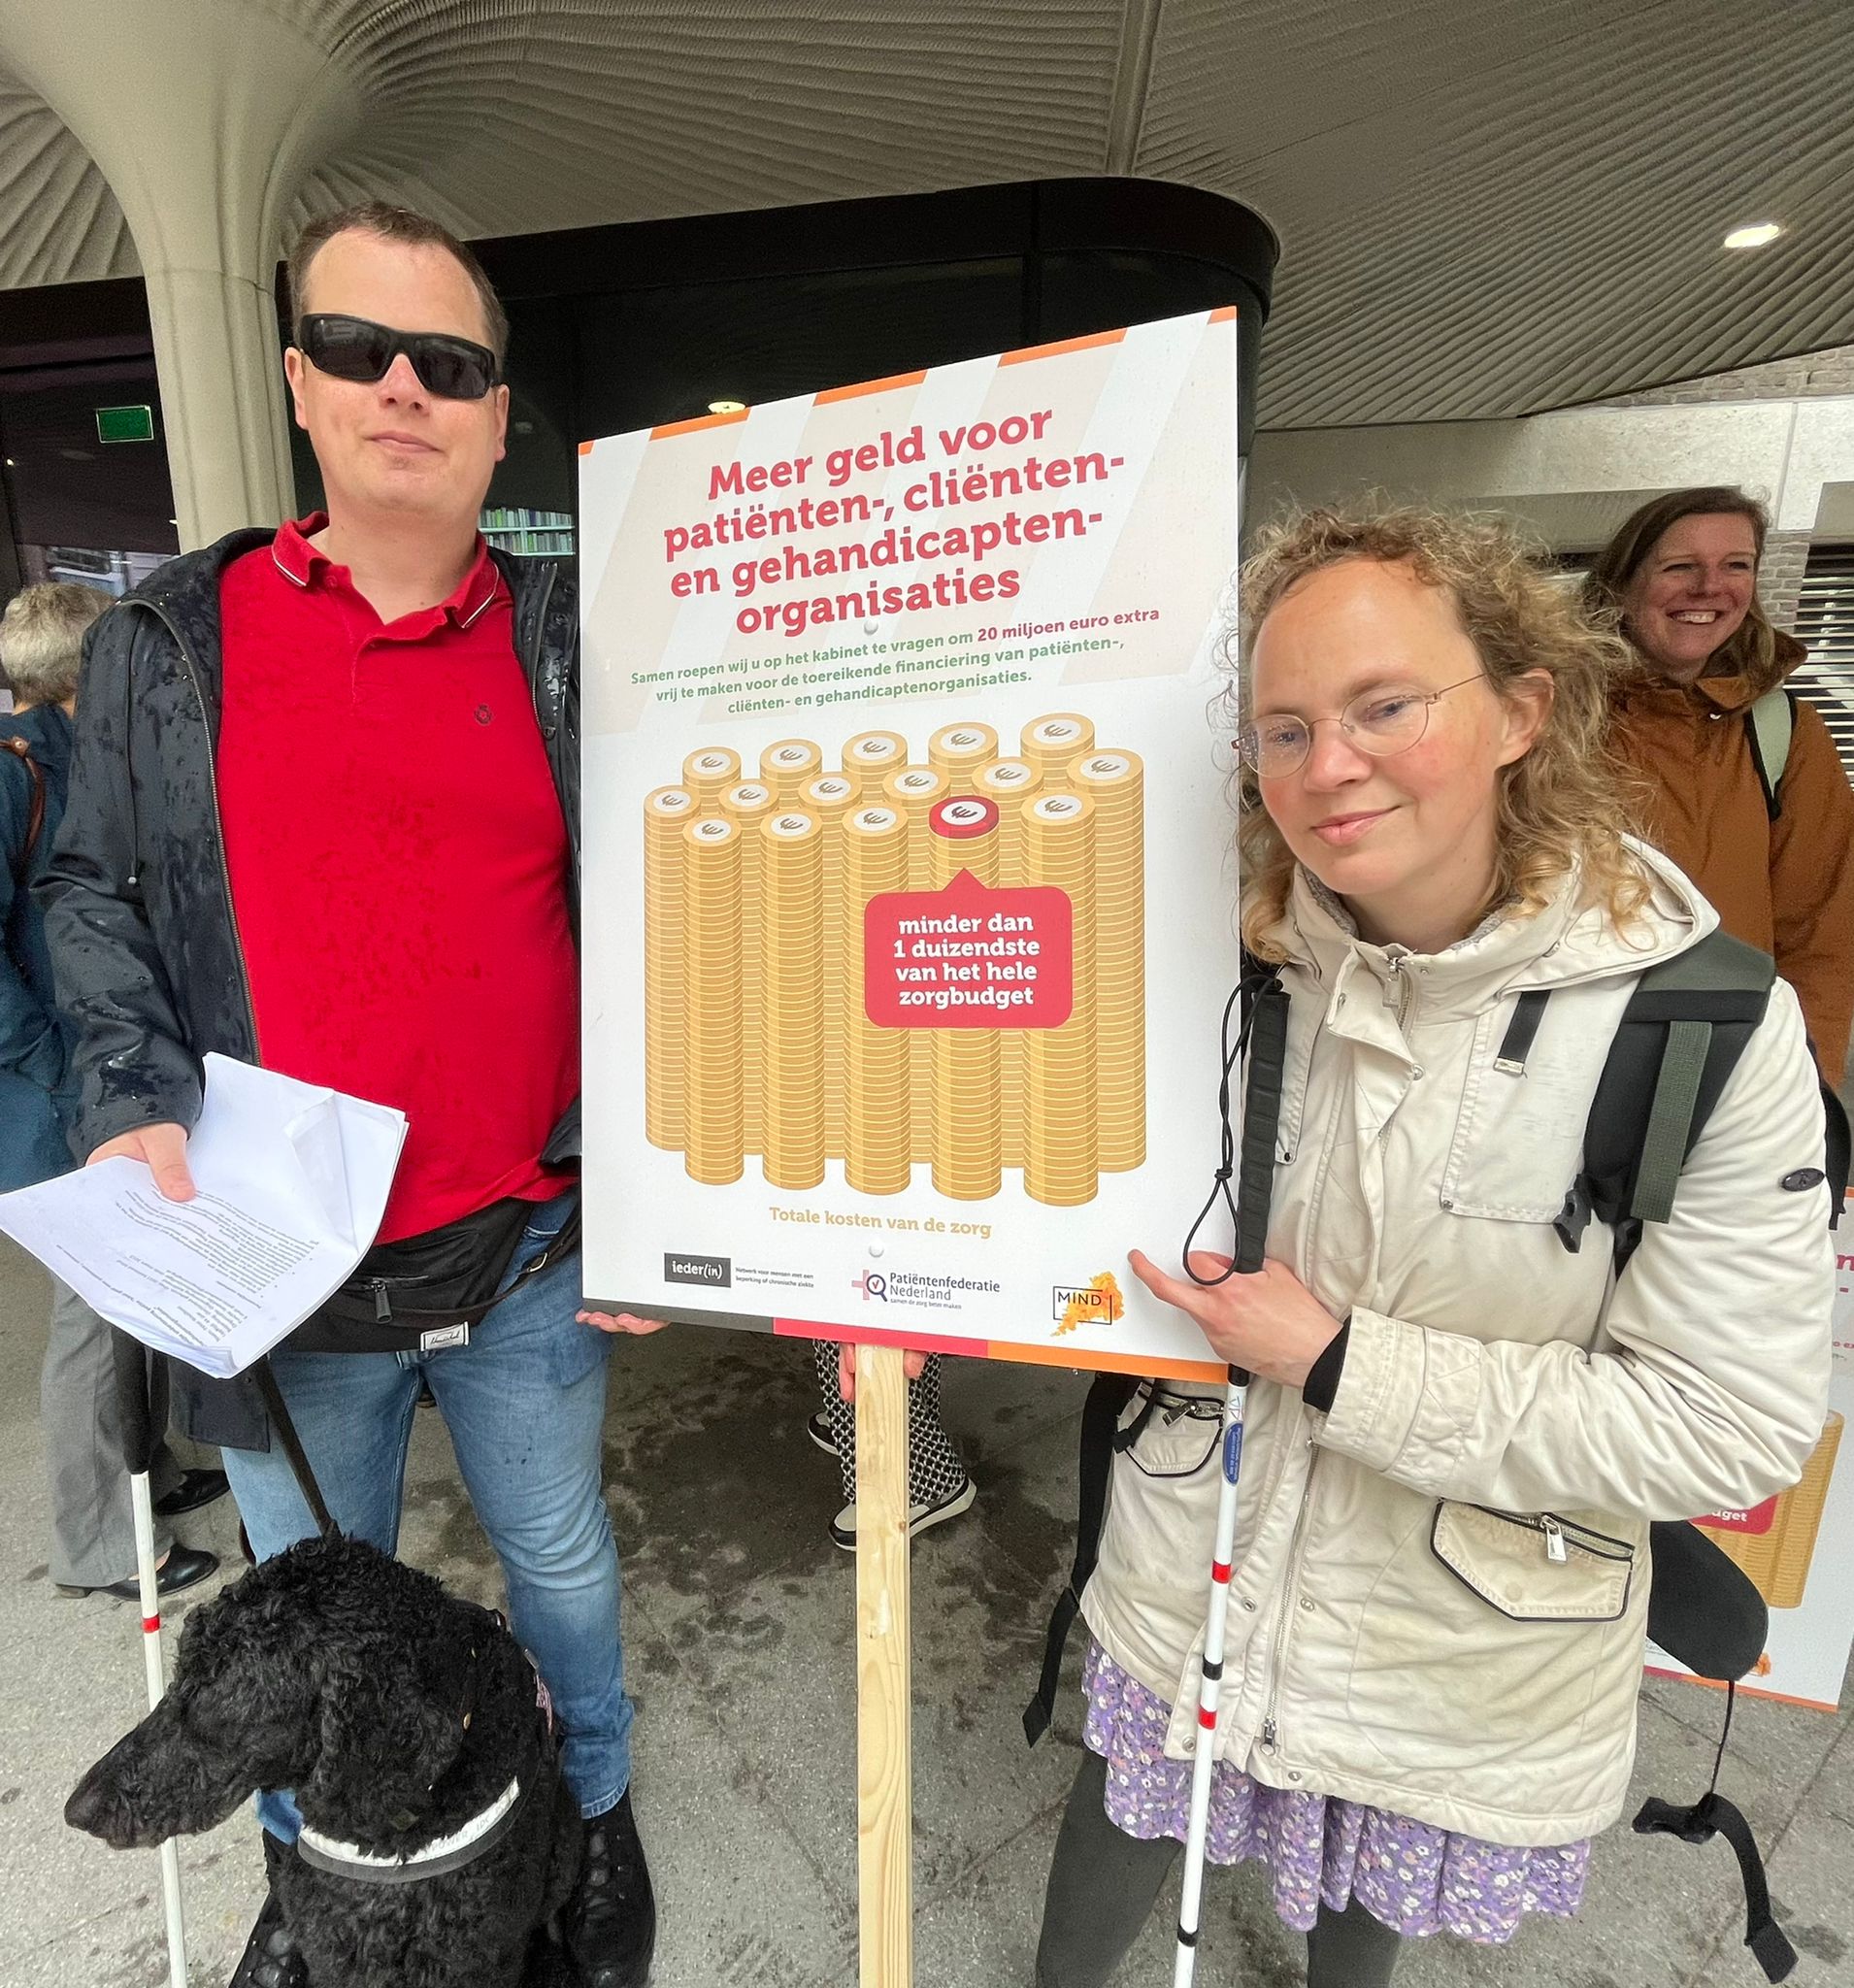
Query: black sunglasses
x,y
358,349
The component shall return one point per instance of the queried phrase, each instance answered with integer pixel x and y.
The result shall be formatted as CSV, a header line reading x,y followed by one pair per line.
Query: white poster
x,y
909,883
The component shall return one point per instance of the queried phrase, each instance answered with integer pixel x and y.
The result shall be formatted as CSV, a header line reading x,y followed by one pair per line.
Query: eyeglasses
x,y
1380,723
359,350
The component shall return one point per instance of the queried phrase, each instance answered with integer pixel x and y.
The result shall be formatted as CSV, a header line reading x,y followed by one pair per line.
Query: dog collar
x,y
464,1845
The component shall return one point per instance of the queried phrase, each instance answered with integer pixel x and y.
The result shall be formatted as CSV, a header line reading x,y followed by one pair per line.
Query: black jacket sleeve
x,y
132,1062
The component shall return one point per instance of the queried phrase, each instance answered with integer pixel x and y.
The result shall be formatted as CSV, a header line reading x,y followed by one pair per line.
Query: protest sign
x,y
909,880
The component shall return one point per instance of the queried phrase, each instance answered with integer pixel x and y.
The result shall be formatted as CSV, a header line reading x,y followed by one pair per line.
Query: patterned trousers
x,y
934,1471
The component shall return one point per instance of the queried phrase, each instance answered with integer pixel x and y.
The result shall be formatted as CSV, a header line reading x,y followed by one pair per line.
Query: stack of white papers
x,y
292,1184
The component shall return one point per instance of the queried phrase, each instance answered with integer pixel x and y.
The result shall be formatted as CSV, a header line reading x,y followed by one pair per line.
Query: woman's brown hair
x,y
1751,649
1567,804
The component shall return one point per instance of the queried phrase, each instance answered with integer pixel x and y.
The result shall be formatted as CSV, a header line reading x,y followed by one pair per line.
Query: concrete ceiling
x,y
1485,208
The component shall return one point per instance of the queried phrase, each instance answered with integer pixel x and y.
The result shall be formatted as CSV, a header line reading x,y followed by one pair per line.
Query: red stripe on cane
x,y
1220,1570
1208,1720
152,1625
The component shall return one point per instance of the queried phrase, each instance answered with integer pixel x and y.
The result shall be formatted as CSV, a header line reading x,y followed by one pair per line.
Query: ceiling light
x,y
727,406
1760,235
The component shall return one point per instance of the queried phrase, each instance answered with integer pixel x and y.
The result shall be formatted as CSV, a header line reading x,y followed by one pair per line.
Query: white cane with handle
x,y
1210,1680
1251,1118
138,1442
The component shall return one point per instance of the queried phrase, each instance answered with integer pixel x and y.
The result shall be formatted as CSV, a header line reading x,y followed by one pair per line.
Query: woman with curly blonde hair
x,y
1460,1426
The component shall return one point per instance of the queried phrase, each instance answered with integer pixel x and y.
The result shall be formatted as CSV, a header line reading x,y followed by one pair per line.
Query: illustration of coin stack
x,y
1778,1558
755,1036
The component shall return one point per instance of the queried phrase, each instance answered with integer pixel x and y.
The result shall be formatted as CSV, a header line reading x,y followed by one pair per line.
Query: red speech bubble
x,y
969,957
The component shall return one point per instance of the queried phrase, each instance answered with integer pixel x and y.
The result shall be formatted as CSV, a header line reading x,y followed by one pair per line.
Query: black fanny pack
x,y
424,1292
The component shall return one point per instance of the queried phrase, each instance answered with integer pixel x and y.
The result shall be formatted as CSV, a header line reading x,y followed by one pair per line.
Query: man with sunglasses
x,y
324,816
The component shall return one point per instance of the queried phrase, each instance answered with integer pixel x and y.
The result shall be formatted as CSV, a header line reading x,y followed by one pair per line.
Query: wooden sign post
x,y
884,1773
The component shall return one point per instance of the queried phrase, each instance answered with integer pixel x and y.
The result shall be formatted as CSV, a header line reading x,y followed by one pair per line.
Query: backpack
x,y
1680,1037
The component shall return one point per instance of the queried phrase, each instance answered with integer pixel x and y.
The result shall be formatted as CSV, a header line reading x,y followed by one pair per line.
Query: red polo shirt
x,y
399,867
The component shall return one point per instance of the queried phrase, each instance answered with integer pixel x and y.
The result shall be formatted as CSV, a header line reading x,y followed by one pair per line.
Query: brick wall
x,y
1812,375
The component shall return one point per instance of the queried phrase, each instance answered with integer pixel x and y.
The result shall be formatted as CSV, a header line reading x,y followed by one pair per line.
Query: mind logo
x,y
1098,1302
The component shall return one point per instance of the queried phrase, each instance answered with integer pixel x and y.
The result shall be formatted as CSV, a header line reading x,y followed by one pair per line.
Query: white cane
x,y
131,1375
1210,1680
1263,1035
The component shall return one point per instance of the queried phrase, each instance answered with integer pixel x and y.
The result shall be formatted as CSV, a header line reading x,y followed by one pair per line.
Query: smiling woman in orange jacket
x,y
1681,575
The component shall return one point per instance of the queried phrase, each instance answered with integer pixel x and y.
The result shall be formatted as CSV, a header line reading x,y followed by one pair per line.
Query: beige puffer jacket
x,y
1442,1586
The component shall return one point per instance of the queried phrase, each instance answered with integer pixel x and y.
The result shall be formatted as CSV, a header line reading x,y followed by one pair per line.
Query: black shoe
x,y
183,1567
818,1429
195,1489
271,1959
610,1918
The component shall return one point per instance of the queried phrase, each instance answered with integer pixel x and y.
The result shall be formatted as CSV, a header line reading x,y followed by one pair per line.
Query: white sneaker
x,y
920,1518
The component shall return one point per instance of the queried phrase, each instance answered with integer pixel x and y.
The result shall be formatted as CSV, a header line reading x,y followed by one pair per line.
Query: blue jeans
x,y
524,1402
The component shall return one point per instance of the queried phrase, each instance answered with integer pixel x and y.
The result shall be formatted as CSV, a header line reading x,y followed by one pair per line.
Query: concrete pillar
x,y
204,116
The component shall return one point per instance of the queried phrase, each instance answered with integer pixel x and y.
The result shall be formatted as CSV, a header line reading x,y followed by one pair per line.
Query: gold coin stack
x,y
877,1132
1115,781
872,756
911,793
830,797
1051,742
1059,1091
791,965
968,1141
713,1068
666,812
709,773
786,765
747,806
1778,1561
959,752
1008,783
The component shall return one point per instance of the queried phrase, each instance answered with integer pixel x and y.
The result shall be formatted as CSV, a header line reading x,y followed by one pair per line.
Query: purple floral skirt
x,y
1411,1877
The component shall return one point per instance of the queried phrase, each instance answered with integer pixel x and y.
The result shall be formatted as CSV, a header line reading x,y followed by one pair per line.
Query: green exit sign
x,y
125,424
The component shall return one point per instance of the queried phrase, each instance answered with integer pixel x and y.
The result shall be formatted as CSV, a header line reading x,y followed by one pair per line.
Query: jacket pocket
x,y
1536,1566
1165,1435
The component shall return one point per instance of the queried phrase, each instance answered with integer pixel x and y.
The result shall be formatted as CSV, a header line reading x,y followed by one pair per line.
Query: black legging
x,y
1101,1885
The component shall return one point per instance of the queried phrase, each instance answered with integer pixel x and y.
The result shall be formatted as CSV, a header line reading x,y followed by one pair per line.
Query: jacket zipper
x,y
1271,1727
1560,1534
219,821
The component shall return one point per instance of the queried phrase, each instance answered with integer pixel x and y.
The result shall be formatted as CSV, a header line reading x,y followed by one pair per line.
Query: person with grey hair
x,y
93,1536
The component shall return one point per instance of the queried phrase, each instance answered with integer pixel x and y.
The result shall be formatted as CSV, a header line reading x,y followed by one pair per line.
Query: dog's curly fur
x,y
343,1674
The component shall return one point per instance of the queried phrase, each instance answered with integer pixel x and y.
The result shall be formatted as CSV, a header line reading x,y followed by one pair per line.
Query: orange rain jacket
x,y
1785,886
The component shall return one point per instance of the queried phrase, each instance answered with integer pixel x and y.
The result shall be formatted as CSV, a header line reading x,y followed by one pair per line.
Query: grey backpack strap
x,y
1770,725
1679,1039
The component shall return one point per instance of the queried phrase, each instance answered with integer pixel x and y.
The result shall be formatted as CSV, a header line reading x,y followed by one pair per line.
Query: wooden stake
x,y
884,1772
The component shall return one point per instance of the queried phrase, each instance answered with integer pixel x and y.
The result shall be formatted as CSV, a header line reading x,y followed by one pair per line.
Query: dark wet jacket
x,y
35,1041
137,896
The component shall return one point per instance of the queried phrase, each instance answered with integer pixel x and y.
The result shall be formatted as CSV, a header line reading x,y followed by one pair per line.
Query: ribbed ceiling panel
x,y
1485,208
60,222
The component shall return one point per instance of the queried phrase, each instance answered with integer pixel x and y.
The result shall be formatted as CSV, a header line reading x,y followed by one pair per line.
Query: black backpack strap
x,y
1100,1415
1680,1038
1714,1815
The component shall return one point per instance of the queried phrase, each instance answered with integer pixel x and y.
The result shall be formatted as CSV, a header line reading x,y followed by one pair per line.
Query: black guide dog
x,y
440,1838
